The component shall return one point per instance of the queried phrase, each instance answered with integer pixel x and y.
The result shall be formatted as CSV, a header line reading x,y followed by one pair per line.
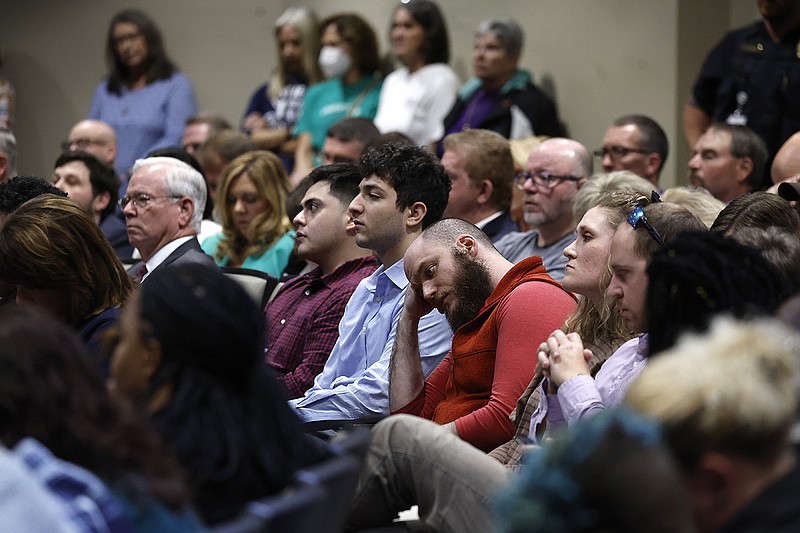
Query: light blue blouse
x,y
145,119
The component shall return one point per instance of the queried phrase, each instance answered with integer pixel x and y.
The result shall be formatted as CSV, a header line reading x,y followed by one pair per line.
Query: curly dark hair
x,y
49,391
700,275
415,175
18,190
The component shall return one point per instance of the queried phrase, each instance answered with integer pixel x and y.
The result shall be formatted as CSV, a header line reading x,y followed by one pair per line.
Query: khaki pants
x,y
413,461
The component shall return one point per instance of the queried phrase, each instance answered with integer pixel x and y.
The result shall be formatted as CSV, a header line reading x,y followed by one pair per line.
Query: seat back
x,y
259,285
318,499
286,511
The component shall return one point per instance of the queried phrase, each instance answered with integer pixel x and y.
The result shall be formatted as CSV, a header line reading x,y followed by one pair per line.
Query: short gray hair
x,y
8,146
508,32
181,180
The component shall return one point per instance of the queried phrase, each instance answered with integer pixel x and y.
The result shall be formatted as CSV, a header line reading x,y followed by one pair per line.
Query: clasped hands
x,y
562,356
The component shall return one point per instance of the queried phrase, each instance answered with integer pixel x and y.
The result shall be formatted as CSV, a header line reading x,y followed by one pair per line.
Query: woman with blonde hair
x,y
596,319
273,108
251,206
59,260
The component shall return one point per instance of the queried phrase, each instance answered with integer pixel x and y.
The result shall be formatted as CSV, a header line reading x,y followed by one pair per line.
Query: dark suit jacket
x,y
187,253
117,234
499,227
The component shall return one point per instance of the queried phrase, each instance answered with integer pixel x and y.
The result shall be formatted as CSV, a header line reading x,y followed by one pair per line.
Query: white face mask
x,y
333,61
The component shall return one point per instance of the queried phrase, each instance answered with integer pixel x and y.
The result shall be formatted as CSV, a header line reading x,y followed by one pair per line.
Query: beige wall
x,y
599,58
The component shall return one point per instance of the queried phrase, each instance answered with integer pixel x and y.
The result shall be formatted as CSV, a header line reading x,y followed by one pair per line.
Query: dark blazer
x,y
117,234
501,226
187,253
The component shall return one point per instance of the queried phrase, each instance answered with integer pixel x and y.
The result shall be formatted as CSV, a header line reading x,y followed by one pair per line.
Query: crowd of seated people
x,y
535,346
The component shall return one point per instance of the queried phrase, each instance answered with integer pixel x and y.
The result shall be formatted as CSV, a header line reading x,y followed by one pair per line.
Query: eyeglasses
x,y
80,144
618,152
544,180
142,201
122,39
637,217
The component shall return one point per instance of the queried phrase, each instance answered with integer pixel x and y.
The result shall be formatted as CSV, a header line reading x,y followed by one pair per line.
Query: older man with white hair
x,y
163,209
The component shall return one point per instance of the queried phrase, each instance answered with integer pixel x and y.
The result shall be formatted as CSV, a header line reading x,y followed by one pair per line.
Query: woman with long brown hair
x,y
58,259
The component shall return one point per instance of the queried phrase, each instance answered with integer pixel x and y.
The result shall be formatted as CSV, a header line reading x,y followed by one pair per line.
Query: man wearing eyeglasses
x,y
163,209
635,143
99,139
556,169
94,137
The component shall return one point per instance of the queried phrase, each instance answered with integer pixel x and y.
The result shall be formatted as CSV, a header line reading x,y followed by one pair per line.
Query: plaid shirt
x,y
303,322
511,452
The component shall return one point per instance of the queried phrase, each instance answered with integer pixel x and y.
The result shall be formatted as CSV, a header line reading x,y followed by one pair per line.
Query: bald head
x,y
787,161
95,137
569,154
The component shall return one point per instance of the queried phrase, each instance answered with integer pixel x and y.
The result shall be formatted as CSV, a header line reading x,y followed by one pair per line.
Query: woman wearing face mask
x,y
416,97
349,59
273,108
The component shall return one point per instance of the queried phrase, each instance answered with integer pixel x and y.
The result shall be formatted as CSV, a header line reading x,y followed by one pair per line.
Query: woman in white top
x,y
416,97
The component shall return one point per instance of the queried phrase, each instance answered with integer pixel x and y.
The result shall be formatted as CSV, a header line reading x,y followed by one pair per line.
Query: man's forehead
x,y
622,244
628,131
72,167
550,158
375,182
320,190
149,176
86,128
718,140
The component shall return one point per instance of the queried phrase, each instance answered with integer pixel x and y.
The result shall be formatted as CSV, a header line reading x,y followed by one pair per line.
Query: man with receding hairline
x,y
95,137
555,170
635,143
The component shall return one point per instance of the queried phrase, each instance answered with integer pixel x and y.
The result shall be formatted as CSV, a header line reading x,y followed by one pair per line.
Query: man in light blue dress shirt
x,y
403,191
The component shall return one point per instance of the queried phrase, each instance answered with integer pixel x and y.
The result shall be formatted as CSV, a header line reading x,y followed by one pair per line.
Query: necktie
x,y
139,273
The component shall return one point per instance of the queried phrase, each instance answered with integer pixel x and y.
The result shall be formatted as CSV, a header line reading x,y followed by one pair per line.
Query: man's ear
x,y
186,206
100,202
744,167
652,163
486,188
467,243
415,213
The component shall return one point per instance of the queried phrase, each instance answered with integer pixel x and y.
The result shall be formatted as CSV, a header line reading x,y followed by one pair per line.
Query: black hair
x,y
651,135
343,179
103,177
415,175
700,275
228,420
18,190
